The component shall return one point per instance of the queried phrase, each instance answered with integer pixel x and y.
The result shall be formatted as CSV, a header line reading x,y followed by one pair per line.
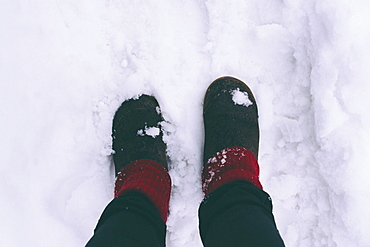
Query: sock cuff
x,y
229,165
148,177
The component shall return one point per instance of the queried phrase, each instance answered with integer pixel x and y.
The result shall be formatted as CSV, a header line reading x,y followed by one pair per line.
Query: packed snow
x,y
66,66
149,131
240,98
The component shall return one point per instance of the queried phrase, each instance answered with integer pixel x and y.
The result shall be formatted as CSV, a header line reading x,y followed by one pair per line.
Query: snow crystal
x,y
158,110
149,131
240,98
209,180
152,131
140,132
212,160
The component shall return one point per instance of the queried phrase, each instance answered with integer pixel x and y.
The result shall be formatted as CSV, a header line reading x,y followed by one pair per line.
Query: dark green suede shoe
x,y
137,132
230,117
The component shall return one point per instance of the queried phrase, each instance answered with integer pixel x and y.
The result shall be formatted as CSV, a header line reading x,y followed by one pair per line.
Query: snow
x,y
240,98
152,131
149,131
66,66
140,132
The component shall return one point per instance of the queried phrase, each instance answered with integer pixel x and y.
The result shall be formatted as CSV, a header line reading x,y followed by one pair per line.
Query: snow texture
x,y
66,66
149,131
240,98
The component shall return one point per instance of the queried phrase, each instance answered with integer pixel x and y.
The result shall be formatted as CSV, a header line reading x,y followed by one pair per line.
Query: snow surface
x,y
66,66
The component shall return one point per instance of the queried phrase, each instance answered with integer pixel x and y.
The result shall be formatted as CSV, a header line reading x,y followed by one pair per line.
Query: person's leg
x,y
235,211
137,215
129,220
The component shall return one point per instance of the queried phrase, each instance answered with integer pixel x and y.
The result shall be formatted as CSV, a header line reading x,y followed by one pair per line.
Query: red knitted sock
x,y
229,165
148,177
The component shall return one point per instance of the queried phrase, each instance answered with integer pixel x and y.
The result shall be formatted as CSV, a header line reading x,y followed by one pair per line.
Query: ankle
x,y
230,165
149,178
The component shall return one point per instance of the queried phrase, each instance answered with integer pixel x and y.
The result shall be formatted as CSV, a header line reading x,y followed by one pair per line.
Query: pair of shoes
x,y
230,150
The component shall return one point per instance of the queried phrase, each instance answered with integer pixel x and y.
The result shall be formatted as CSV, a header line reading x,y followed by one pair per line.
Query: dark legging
x,y
236,214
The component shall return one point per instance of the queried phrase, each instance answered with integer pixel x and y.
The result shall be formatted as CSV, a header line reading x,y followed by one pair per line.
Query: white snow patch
x,y
140,133
152,131
149,131
240,98
158,110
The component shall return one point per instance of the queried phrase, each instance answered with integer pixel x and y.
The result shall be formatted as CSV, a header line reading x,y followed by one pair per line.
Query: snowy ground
x,y
65,67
